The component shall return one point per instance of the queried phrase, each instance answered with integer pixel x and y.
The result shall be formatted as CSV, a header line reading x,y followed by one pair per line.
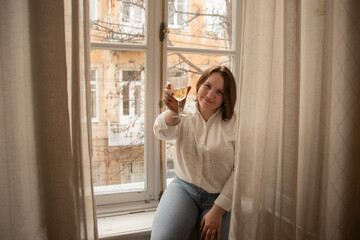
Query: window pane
x,y
200,23
118,136
190,65
118,21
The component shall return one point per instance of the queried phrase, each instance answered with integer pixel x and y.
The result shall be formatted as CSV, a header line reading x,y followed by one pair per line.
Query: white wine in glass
x,y
180,93
179,88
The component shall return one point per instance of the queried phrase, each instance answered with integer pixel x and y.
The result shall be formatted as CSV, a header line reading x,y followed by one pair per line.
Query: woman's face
x,y
211,93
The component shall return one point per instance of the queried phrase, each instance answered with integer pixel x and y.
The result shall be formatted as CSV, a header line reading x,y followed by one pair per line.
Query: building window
x,y
94,95
215,20
131,92
176,14
93,10
129,130
126,11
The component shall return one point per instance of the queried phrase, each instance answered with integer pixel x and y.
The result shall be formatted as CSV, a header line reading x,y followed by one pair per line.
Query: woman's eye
x,y
220,92
207,85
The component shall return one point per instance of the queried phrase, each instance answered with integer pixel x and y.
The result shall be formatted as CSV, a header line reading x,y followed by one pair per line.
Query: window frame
x,y
115,203
110,202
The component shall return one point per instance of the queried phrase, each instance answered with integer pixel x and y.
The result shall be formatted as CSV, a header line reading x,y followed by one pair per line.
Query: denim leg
x,y
176,214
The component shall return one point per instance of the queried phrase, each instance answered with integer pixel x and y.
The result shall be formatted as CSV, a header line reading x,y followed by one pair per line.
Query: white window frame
x,y
108,200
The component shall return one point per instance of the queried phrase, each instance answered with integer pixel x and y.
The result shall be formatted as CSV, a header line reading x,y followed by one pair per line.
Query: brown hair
x,y
229,88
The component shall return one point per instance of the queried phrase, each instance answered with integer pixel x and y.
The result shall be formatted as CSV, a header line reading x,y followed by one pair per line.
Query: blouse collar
x,y
194,108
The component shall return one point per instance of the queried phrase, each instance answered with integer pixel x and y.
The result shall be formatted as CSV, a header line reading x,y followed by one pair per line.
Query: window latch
x,y
163,31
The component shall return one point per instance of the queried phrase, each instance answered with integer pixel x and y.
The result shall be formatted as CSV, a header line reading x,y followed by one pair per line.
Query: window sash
x,y
233,53
107,195
109,201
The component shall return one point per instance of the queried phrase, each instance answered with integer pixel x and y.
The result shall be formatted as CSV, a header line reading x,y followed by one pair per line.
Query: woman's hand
x,y
172,104
170,101
211,223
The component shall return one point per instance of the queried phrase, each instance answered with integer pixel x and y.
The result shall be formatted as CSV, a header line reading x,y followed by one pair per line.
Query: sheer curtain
x,y
298,159
45,183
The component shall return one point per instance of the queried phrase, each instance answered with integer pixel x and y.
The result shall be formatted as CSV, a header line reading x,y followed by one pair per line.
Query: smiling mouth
x,y
208,101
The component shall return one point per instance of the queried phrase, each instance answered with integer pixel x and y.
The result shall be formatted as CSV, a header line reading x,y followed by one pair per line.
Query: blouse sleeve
x,y
164,131
224,200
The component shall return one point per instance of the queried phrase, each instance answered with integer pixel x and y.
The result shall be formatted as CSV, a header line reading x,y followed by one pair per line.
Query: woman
x,y
201,193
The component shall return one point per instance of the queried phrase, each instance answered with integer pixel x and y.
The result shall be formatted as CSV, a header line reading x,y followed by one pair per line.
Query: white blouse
x,y
205,151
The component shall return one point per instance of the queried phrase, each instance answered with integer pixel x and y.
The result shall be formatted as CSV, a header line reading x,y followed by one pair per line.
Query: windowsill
x,y
127,226
129,221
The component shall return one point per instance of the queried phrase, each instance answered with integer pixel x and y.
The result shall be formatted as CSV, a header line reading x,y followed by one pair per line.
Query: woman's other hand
x,y
211,223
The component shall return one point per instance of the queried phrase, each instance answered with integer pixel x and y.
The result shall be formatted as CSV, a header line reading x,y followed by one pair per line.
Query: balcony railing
x,y
124,135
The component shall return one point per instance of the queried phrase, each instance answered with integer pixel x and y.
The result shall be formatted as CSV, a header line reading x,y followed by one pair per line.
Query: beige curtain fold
x,y
45,181
297,170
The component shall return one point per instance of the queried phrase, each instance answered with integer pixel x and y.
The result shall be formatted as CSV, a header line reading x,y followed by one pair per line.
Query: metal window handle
x,y
163,31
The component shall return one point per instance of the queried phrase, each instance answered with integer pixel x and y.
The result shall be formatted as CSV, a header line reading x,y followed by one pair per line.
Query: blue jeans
x,y
181,209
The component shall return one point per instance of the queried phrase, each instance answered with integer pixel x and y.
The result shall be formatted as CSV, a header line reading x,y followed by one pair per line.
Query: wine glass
x,y
179,88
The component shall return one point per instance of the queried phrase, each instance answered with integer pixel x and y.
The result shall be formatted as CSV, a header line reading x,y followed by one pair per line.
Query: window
x,y
93,10
215,20
129,131
123,156
177,8
94,95
131,13
125,86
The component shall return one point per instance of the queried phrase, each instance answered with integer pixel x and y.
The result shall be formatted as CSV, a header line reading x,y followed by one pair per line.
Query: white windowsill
x,y
127,226
132,221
